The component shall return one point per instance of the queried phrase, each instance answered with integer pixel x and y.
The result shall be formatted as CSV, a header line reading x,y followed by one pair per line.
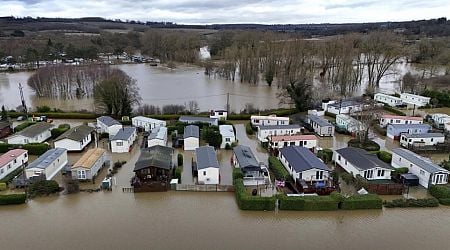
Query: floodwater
x,y
196,220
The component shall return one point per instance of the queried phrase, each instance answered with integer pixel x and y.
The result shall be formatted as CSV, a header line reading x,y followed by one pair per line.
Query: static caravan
x,y
420,140
398,119
281,141
12,160
344,107
395,130
439,120
268,120
196,120
255,172
157,137
75,139
207,166
218,114
123,140
47,165
390,100
264,132
106,124
414,100
87,167
191,137
37,133
348,124
321,126
228,136
146,123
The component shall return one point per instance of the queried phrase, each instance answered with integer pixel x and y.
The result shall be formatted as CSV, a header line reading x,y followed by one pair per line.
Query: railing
x,y
204,188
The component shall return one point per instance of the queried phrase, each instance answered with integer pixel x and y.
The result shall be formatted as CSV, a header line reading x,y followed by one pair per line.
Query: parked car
x,y
21,118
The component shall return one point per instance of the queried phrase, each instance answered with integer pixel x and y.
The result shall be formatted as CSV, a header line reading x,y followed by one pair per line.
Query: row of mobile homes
x,y
87,167
5,129
440,120
153,170
414,100
12,160
158,136
228,136
106,124
395,130
206,166
255,172
302,164
146,123
281,141
390,100
398,119
428,172
191,137
420,140
37,133
218,114
268,120
344,107
75,139
321,126
48,164
196,120
358,161
123,140
348,124
264,132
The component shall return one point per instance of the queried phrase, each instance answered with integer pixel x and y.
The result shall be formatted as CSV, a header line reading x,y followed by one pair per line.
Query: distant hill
x,y
432,27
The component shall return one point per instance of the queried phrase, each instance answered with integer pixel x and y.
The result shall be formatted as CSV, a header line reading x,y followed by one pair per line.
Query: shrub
x,y
36,148
384,156
308,203
367,145
249,129
237,173
212,136
117,164
239,117
278,169
228,146
400,171
43,109
428,202
4,147
247,202
10,199
180,159
56,132
178,172
367,201
104,136
347,178
439,192
326,155
393,110
23,126
43,187
3,186
445,201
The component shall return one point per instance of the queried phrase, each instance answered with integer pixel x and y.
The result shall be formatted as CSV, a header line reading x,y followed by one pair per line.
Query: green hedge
x,y
56,132
330,114
393,110
58,115
439,192
178,172
43,187
384,156
238,117
3,186
22,126
445,201
180,159
367,201
237,173
5,147
308,203
249,129
11,199
400,171
428,202
326,155
368,145
36,148
278,169
10,176
248,202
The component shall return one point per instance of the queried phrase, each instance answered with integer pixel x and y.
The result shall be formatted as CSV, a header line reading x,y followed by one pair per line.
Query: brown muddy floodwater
x,y
190,220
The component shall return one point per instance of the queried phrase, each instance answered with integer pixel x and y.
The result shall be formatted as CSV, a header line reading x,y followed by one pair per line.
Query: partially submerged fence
x,y
204,188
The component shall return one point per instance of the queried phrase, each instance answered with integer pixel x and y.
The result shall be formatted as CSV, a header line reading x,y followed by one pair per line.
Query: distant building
x,y
196,120
207,167
36,133
390,100
218,114
12,160
47,165
87,167
75,139
106,124
158,136
395,130
228,136
191,137
123,140
398,119
264,132
147,124
415,100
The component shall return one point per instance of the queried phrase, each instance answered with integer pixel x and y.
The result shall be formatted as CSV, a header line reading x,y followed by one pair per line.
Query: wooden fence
x,y
386,189
204,188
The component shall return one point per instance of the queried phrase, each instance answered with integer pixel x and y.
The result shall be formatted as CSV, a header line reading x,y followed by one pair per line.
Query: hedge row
x,y
325,154
393,110
33,148
3,186
10,199
367,201
247,202
248,128
23,126
43,187
384,156
278,169
61,129
237,173
428,202
58,115
439,192
445,201
308,203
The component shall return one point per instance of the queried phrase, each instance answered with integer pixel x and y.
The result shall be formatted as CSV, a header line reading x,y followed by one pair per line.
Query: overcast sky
x,y
233,11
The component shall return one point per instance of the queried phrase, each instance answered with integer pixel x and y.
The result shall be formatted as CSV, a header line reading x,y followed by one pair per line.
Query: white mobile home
x,y
255,172
158,136
197,119
123,140
439,120
47,165
302,164
207,166
87,167
348,123
228,136
392,101
12,160
428,172
218,114
36,133
358,161
264,132
281,141
344,107
268,120
75,139
321,126
416,100
419,140
146,123
191,137
398,119
395,130
106,124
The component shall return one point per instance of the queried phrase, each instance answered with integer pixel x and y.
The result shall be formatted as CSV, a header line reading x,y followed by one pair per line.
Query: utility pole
x,y
228,103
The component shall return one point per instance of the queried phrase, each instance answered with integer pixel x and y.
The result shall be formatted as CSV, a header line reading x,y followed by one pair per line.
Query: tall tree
x,y
4,115
300,92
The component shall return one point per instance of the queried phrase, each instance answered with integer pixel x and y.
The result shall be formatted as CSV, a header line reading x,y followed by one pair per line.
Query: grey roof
x,y
302,159
35,129
319,120
77,133
362,159
108,121
246,158
158,133
422,162
193,119
47,158
124,133
410,126
424,135
4,124
206,157
156,156
345,103
291,126
191,131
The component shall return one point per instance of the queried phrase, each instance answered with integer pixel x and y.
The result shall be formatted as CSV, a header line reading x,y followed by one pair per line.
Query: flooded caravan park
x,y
202,220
